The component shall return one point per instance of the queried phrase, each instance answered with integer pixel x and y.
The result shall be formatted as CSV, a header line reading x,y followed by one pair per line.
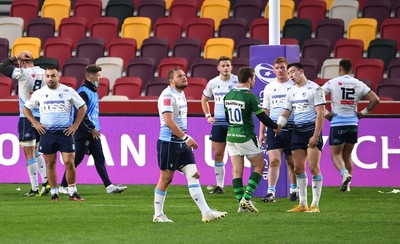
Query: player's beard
x,y
182,86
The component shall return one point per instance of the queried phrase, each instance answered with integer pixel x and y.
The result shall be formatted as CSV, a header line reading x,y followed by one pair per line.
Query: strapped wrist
x,y
364,111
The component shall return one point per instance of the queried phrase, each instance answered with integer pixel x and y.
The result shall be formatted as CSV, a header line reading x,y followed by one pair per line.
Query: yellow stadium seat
x,y
216,10
217,47
56,9
287,11
31,44
138,28
364,29
168,3
329,4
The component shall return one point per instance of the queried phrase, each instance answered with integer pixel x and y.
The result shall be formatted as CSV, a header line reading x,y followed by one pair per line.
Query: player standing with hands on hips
x,y
174,149
57,128
346,92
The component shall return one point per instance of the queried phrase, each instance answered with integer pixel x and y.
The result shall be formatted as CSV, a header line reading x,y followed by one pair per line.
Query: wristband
x,y
364,111
208,116
282,121
186,138
326,112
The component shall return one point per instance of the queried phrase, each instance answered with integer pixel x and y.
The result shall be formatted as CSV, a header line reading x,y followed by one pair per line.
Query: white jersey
x,y
218,88
172,101
274,98
346,92
29,80
55,106
301,101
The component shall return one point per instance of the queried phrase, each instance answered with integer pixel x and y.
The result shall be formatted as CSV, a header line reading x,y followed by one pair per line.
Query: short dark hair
x,y
51,68
224,58
296,64
346,65
171,72
244,73
92,69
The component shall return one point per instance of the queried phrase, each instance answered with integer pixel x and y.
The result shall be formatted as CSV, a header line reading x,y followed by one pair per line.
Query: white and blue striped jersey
x,y
274,98
29,80
55,106
301,101
174,102
346,92
218,88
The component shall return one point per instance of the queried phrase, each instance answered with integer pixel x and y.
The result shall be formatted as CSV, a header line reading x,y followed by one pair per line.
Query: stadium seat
x,y
378,10
168,4
111,68
59,48
184,10
154,48
168,28
187,48
234,28
156,87
88,9
330,29
121,9
320,81
124,48
141,67
286,12
43,28
4,48
105,28
384,49
364,29
195,89
259,29
128,86
310,68
390,30
138,28
31,44
75,66
115,98
397,10
345,10
394,69
25,9
74,28
91,48
46,62
13,26
5,87
248,10
237,63
57,10
314,10
204,67
166,64
216,10
243,48
317,49
389,88
299,29
329,4
104,87
201,29
371,69
152,9
330,68
349,48
217,47
70,81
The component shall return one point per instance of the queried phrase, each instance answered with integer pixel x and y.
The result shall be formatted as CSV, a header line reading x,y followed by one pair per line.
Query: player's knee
x,y
30,143
314,170
274,163
219,156
191,173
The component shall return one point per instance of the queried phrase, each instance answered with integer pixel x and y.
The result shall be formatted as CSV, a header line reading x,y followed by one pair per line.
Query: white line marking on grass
x,y
109,205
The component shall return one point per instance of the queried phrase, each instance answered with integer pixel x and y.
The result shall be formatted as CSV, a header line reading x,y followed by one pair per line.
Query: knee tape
x,y
30,143
190,172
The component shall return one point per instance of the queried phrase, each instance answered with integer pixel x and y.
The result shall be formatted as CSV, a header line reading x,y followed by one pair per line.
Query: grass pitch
x,y
361,216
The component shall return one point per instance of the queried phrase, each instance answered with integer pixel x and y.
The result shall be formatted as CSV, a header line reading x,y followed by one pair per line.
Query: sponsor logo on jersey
x,y
167,102
54,106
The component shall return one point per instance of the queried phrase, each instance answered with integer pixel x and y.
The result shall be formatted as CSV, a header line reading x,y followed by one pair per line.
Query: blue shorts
x,y
26,131
172,156
218,133
300,140
279,141
51,142
343,134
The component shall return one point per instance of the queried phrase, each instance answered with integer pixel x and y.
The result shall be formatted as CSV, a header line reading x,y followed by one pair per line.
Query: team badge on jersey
x,y
167,102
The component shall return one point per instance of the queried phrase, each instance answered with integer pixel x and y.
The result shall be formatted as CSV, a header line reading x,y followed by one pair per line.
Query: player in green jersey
x,y
240,103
